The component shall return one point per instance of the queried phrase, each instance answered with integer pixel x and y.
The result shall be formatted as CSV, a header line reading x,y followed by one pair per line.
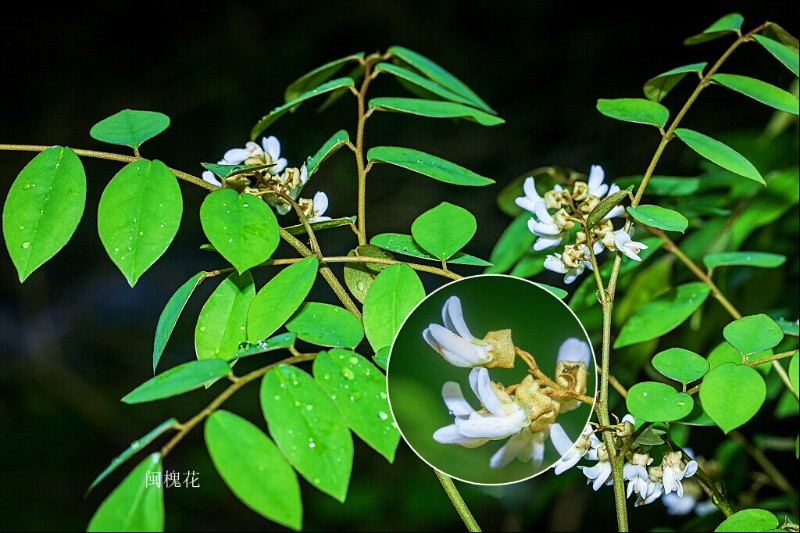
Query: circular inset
x,y
481,369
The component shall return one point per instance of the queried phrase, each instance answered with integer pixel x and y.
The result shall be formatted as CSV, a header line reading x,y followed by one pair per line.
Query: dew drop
x,y
309,407
135,444
382,395
21,228
382,415
26,244
347,373
243,345
352,360
644,394
202,328
216,351
297,404
141,234
681,403
245,205
28,186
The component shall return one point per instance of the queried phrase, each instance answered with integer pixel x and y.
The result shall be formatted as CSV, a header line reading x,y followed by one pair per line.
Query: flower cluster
x,y
562,210
269,176
646,479
522,413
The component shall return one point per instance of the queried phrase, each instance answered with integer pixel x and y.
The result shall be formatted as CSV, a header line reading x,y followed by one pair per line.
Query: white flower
x,y
551,231
678,505
500,415
572,371
675,470
454,341
626,245
524,446
570,452
595,181
574,350
601,471
211,178
318,207
268,153
648,437
528,202
558,263
651,492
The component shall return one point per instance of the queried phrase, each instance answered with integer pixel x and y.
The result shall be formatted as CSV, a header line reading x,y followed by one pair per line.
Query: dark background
x,y
74,338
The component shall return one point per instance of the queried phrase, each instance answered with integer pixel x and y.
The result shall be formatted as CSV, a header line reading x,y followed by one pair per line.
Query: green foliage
x,y
648,294
43,208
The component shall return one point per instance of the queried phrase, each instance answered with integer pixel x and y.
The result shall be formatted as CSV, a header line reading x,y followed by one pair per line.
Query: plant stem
x,y
237,384
108,156
458,502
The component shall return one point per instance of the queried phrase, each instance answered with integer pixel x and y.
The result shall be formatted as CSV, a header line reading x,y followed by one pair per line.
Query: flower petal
x,y
453,317
451,435
454,399
493,427
510,450
574,350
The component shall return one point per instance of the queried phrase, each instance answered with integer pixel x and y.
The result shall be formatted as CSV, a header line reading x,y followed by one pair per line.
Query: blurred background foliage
x,y
75,337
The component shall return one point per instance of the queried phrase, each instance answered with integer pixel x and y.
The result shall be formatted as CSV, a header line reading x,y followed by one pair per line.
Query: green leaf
x,y
381,358
241,227
392,296
767,206
135,505
724,352
136,446
254,469
329,147
405,244
638,110
308,428
658,87
280,297
130,128
439,75
789,327
663,314
359,391
423,83
434,109
515,240
605,206
793,371
278,342
760,91
139,215
681,365
555,291
651,401
225,171
300,229
43,208
664,185
732,394
729,24
751,259
271,117
749,520
427,165
359,276
719,153
659,217
326,325
785,54
319,75
177,380
221,326
170,313
444,229
753,334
